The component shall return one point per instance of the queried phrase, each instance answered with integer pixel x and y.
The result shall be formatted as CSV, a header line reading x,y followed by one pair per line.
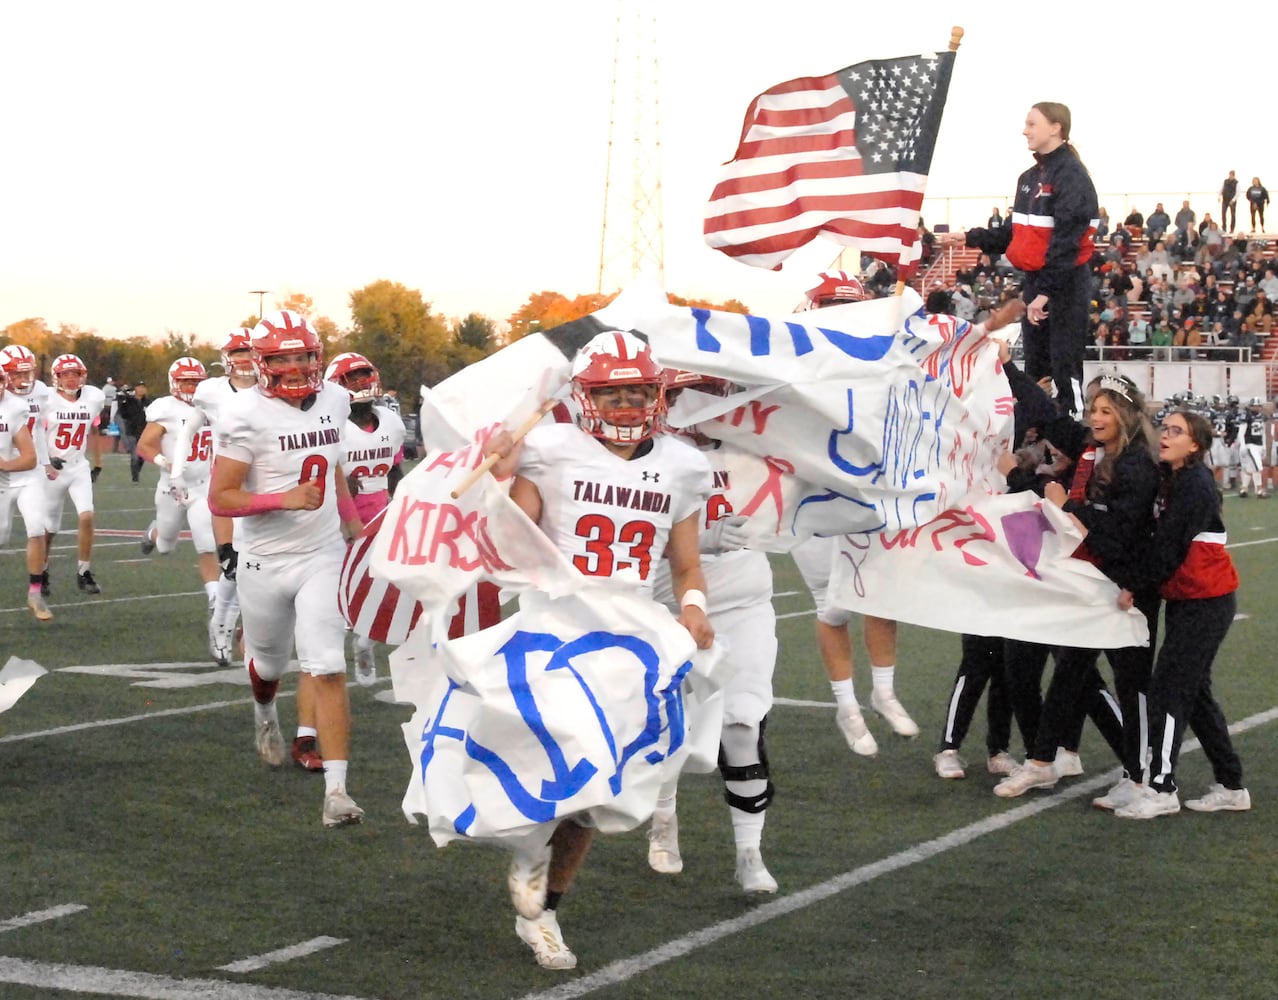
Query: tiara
x,y
1115,383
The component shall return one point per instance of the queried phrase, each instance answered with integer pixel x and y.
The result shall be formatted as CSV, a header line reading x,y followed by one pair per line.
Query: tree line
x,y
391,324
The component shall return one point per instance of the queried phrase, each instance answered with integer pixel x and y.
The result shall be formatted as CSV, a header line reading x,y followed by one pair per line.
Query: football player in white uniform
x,y
17,456
277,467
374,451
69,417
1254,447
740,609
26,488
189,499
567,482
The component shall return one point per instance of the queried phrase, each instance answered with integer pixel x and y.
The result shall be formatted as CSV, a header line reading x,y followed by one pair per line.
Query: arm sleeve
x,y
991,241
1121,524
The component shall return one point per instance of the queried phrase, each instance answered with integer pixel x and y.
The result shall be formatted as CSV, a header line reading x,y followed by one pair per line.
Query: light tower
x,y
632,241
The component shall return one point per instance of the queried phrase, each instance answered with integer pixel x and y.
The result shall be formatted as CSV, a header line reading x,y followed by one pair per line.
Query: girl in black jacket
x,y
1187,561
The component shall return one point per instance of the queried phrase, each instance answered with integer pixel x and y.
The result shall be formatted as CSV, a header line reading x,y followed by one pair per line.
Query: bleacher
x,y
951,260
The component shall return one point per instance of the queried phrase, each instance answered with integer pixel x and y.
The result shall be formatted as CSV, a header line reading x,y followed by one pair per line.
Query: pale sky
x,y
164,159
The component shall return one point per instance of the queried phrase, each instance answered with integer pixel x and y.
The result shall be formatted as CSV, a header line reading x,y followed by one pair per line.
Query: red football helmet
x,y
237,341
19,367
285,333
357,375
69,373
618,360
835,288
678,378
182,373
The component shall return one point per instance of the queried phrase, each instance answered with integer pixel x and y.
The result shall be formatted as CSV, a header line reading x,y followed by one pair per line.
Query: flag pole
x,y
533,420
956,39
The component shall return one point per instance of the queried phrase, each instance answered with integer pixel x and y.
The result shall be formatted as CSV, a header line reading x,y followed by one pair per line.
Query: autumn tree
x,y
545,310
393,327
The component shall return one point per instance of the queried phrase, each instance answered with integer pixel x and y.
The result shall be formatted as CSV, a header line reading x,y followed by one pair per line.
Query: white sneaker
x,y
752,874
663,845
270,743
852,725
1001,763
1024,778
544,937
39,607
340,809
527,880
895,713
1122,794
1219,798
1149,804
1068,764
365,666
949,765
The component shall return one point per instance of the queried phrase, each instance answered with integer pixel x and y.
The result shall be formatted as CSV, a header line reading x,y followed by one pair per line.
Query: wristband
x,y
693,599
261,503
162,462
346,509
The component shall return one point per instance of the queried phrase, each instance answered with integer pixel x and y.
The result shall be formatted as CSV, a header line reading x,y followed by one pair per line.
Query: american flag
x,y
845,154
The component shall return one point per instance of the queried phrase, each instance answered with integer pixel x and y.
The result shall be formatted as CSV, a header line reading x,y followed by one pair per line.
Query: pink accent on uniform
x,y
261,503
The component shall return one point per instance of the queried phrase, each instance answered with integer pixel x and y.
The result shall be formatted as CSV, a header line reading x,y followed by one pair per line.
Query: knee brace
x,y
734,773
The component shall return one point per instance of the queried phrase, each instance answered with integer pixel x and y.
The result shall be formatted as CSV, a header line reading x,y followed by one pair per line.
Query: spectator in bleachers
x,y
1158,223
1221,308
1269,284
1185,218
1138,335
1137,292
1160,339
995,220
1257,199
1134,218
1246,341
1102,227
1160,295
1261,314
1245,289
1229,203
1193,338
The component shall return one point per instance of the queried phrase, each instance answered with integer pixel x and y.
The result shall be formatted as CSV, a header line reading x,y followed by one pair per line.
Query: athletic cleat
x,y
949,764
1242,494
543,936
44,583
340,809
852,725
147,545
663,845
36,602
527,880
365,666
1122,794
895,714
306,755
1219,798
1001,763
1068,763
270,742
751,874
220,653
1024,778
1149,804
86,582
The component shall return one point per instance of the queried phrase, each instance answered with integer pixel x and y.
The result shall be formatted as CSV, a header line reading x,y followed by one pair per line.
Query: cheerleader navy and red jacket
x,y
1054,217
1186,559
1118,515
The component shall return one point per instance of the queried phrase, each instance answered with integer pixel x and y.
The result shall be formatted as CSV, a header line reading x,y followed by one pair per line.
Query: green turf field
x,y
146,852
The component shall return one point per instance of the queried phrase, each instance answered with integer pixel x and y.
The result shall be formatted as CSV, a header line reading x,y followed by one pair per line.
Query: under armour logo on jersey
x,y
656,476
252,565
385,437
326,420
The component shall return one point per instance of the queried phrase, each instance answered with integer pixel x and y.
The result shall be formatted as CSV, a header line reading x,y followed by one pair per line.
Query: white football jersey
x,y
69,422
284,445
13,417
612,516
171,413
370,454
213,395
33,401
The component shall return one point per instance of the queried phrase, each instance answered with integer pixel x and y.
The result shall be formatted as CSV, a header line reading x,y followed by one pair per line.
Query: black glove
x,y
93,475
227,558
57,463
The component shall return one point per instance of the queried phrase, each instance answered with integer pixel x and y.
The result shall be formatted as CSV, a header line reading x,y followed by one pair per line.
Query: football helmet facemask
x,y
19,366
238,341
288,356
182,373
357,375
69,373
619,368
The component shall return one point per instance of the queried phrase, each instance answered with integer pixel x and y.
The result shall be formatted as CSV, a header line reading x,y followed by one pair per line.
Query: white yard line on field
x,y
300,950
628,968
